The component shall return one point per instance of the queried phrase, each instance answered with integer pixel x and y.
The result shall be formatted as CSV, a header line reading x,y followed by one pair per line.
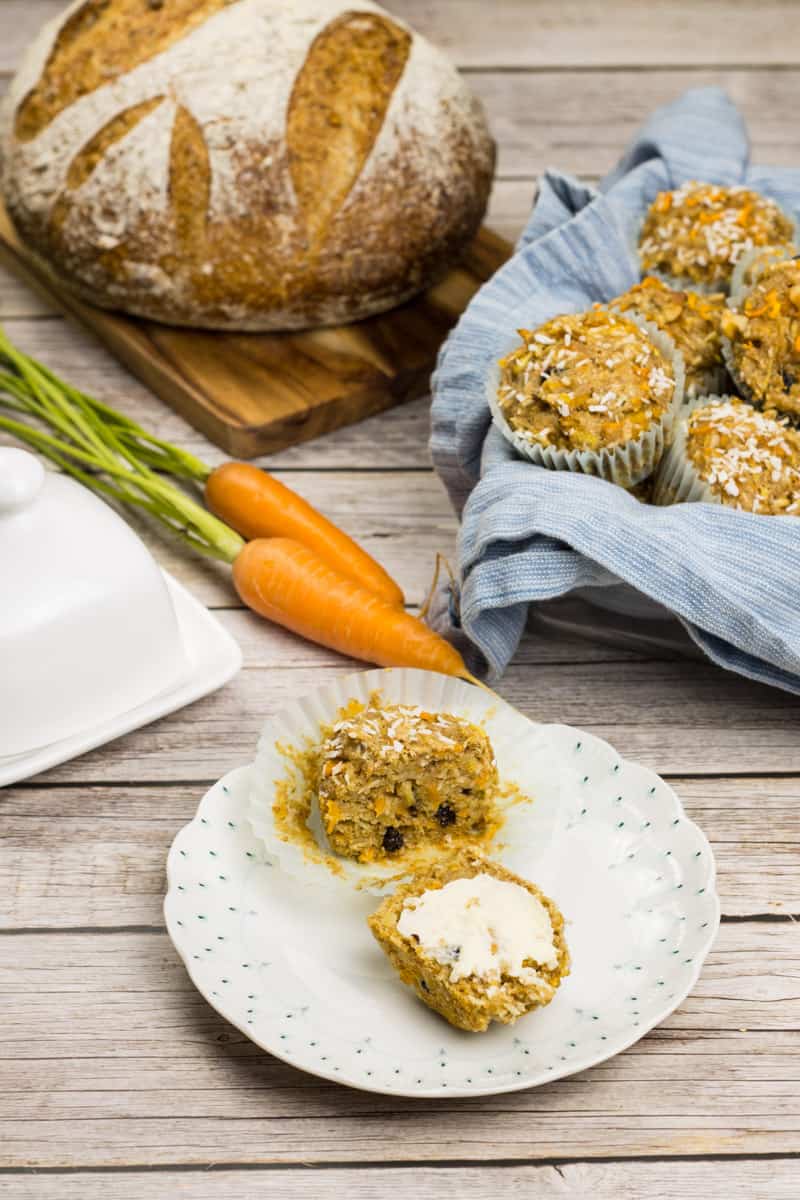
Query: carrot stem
x,y
108,453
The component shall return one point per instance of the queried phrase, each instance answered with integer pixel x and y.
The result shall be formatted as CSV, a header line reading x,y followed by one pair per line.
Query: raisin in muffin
x,y
394,777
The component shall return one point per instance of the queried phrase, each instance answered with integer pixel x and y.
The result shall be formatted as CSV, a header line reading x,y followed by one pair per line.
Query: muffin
x,y
728,452
761,329
691,320
475,941
394,777
592,392
751,266
697,234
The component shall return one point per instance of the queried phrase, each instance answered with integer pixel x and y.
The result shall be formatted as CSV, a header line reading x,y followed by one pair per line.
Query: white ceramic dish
x,y
213,658
87,626
295,968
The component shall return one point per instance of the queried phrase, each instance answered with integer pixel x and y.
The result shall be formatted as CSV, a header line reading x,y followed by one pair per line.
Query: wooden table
x,y
116,1078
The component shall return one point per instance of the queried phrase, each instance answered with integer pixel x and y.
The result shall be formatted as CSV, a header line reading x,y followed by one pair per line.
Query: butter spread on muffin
x,y
585,381
475,941
394,777
700,231
763,331
748,459
690,319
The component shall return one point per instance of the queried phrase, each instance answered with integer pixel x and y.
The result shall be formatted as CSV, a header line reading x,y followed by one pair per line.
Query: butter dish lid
x,y
88,628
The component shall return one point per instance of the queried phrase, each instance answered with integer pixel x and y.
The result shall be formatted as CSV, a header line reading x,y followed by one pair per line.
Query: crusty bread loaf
x,y
242,164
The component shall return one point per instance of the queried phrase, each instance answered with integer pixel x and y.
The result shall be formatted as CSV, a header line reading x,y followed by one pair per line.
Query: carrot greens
x,y
107,451
305,574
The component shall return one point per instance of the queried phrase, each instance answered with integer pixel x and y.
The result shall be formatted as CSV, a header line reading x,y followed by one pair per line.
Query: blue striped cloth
x,y
528,534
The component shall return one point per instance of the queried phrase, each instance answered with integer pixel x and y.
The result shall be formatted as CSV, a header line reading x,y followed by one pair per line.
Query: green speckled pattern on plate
x,y
294,966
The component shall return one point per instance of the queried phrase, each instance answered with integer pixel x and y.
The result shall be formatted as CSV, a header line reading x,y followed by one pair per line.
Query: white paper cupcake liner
x,y
749,263
522,754
677,480
625,465
712,383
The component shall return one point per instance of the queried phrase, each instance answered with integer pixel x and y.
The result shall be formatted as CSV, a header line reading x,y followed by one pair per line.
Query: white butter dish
x,y
95,639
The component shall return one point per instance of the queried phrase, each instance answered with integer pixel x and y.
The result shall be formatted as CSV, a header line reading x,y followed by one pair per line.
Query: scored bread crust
x,y
183,188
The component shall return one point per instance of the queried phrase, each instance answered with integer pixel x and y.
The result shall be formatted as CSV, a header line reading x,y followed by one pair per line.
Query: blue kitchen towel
x,y
529,534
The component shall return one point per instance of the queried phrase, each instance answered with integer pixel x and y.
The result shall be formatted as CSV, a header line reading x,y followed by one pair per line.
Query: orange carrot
x,y
286,582
256,505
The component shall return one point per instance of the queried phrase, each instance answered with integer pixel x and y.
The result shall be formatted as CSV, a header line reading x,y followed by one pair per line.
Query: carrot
x,y
287,583
256,505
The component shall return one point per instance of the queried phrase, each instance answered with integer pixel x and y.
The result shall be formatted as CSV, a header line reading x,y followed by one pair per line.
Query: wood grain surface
x,y
116,1079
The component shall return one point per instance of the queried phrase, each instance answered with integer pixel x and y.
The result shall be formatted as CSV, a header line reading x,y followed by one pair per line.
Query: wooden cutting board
x,y
255,393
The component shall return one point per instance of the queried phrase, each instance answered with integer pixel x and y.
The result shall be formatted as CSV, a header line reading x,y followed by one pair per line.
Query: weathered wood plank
x,y
581,121
394,439
775,1179
94,856
402,518
535,33
74,1005
679,717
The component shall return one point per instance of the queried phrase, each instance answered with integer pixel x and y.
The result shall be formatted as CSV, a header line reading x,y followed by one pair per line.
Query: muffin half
x,y
394,778
475,941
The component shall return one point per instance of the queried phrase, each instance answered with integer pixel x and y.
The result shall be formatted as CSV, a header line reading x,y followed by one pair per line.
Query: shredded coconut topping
x,y
585,381
748,458
701,230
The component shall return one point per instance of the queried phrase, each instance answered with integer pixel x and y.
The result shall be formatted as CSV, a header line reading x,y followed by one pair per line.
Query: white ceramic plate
x,y
295,968
214,658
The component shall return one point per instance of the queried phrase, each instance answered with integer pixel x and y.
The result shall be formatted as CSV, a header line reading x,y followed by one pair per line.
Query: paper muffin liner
x,y
625,465
523,760
677,480
740,284
711,383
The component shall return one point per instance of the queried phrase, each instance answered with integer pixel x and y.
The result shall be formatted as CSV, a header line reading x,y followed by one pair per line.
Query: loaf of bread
x,y
242,164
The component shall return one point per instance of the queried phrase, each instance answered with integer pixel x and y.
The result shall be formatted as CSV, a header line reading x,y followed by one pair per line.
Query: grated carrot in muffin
x,y
699,232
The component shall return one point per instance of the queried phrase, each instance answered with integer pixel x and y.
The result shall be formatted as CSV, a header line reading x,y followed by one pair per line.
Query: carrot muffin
x,y
732,453
751,266
762,339
393,777
691,320
698,233
475,941
589,385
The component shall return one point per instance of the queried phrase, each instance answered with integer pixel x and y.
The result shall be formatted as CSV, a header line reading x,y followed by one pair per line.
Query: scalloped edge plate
x,y
294,967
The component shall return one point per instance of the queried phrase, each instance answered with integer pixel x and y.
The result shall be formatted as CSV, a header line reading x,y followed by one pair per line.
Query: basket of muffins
x,y
687,386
